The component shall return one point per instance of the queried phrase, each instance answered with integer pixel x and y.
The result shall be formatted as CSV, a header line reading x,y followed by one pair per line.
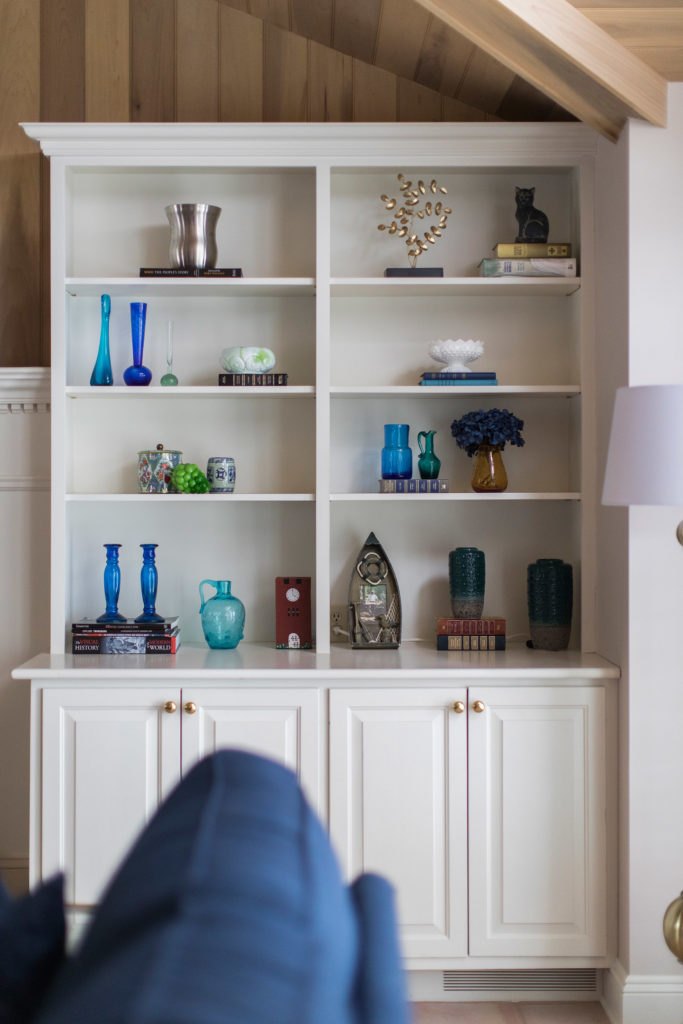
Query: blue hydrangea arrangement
x,y
493,426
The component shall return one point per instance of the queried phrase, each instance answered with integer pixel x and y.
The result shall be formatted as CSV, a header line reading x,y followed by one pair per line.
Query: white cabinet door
x,y
109,756
537,845
398,792
280,723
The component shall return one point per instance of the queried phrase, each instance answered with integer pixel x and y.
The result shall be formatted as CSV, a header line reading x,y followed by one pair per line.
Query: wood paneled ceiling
x,y
533,60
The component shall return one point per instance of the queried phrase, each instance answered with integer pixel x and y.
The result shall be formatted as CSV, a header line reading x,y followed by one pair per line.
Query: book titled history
x,y
470,627
413,486
528,268
473,382
168,625
125,643
459,375
487,642
521,250
253,380
190,272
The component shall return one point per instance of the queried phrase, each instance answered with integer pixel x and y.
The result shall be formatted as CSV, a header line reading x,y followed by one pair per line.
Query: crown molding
x,y
24,389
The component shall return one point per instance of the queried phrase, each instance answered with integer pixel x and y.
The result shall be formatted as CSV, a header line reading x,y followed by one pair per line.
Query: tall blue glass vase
x,y
101,372
137,375
112,585
149,579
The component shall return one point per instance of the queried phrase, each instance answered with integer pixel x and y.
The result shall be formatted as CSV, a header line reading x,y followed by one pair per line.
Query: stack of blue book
x,y
473,378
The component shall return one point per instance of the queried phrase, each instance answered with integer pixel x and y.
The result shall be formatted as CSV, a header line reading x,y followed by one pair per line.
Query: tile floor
x,y
509,1013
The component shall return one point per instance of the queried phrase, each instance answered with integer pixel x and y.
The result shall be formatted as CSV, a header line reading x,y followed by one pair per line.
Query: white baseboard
x,y
14,874
643,998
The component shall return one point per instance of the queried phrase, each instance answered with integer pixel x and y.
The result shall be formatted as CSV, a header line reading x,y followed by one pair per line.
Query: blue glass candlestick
x,y
137,374
101,373
112,585
149,578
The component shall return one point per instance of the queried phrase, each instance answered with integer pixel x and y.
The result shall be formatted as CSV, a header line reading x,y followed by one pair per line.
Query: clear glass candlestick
x,y
169,379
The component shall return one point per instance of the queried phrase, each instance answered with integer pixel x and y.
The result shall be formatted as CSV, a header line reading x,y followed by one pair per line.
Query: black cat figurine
x,y
533,223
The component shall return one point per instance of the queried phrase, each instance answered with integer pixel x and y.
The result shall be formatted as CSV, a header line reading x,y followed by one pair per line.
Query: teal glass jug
x,y
222,616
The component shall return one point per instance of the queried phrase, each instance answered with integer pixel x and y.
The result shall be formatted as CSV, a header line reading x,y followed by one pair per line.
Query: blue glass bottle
x,y
149,578
222,616
397,457
101,372
112,585
137,374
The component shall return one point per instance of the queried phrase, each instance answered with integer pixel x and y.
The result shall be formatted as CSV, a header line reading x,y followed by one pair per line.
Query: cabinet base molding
x,y
636,998
14,874
506,984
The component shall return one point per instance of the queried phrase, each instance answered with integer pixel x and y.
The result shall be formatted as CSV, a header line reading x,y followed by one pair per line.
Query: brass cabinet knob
x,y
190,707
478,706
170,706
458,707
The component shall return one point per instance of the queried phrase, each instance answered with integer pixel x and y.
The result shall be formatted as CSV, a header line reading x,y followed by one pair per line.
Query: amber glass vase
x,y
488,474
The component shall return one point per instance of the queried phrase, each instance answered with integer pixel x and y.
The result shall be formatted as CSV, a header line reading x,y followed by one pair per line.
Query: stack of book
x,y
530,259
470,634
459,378
233,380
88,636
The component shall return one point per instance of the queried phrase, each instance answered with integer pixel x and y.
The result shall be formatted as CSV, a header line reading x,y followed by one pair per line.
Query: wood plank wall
x,y
162,60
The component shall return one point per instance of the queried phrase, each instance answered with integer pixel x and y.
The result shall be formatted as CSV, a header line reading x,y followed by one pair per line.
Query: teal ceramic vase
x,y
467,580
550,594
428,463
222,616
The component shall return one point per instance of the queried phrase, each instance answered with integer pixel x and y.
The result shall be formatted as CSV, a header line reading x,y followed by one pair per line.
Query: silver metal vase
x,y
193,235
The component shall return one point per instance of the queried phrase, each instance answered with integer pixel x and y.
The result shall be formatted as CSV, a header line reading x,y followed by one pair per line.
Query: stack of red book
x,y
470,634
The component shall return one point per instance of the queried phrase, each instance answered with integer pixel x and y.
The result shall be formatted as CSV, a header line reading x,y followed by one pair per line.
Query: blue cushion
x,y
228,910
32,933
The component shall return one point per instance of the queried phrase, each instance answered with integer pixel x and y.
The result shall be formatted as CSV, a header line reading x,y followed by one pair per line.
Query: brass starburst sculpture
x,y
416,202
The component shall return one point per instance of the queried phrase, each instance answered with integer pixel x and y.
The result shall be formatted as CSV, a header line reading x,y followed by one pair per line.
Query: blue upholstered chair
x,y
230,909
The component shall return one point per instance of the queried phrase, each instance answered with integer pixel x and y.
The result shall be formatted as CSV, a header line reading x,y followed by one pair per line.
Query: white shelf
x,y
358,287
171,498
182,287
264,661
402,390
185,391
461,496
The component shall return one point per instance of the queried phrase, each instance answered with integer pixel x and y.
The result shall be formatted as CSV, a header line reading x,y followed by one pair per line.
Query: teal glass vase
x,y
101,373
550,598
467,581
428,464
222,616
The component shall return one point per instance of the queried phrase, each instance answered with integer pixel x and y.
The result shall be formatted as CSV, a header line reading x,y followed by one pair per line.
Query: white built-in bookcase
x,y
300,213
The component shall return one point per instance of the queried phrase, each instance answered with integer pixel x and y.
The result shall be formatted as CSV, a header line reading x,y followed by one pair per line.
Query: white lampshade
x,y
645,457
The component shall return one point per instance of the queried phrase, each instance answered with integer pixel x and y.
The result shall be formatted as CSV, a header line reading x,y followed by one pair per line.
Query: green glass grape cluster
x,y
187,478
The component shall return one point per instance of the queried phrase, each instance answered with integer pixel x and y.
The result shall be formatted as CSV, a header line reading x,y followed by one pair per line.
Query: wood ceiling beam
x,y
556,48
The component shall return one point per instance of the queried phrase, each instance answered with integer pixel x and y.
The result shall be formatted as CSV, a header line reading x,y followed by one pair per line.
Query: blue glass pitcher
x,y
222,616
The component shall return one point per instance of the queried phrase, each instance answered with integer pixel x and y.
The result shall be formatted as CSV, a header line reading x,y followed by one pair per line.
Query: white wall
x,y
656,559
24,594
640,212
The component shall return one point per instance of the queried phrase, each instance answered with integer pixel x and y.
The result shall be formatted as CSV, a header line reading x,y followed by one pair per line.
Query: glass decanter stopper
x,y
169,379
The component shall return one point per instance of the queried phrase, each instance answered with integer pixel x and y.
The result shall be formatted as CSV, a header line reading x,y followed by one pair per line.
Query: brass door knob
x,y
458,707
170,706
190,707
478,706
